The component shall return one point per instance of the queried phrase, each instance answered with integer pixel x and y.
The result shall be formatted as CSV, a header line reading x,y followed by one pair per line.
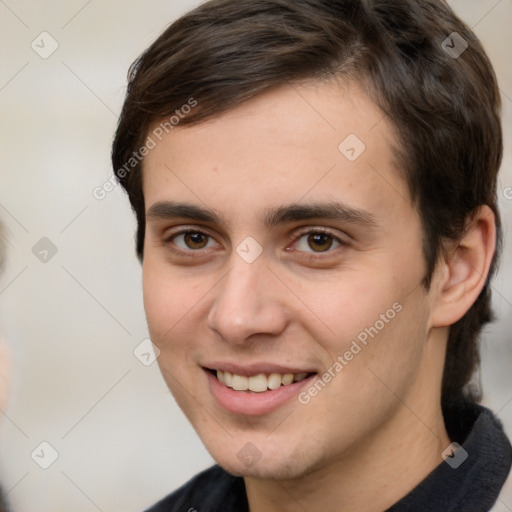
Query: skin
x,y
376,430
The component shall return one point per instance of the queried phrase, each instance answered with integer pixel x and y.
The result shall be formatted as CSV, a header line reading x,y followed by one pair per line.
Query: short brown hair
x,y
445,107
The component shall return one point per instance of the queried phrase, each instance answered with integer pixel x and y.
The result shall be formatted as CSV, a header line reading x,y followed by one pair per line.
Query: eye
x,y
317,242
192,241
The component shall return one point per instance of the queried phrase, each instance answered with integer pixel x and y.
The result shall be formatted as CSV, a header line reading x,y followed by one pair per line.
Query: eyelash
x,y
168,242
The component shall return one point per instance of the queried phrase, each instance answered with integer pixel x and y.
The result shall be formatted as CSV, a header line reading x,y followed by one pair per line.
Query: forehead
x,y
312,142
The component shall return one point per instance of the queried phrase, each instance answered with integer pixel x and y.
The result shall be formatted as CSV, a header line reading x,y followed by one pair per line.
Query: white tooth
x,y
287,378
258,383
220,376
228,379
240,383
274,381
299,376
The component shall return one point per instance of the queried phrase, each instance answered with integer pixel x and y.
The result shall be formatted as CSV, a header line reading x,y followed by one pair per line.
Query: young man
x,y
315,188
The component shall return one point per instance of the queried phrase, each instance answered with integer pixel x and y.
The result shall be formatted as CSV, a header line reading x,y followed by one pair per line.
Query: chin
x,y
276,466
264,471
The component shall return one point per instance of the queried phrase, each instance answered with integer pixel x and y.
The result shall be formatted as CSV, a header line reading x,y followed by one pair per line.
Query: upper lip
x,y
255,368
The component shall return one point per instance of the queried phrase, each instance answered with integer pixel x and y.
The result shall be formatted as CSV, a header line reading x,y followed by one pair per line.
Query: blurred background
x,y
89,425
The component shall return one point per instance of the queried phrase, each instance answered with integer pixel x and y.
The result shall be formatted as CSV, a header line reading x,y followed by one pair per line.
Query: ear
x,y
462,272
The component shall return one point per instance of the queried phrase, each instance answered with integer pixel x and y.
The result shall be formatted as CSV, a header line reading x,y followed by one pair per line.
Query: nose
x,y
247,304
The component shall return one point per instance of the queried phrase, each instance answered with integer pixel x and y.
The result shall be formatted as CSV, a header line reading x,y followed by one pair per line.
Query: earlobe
x,y
463,271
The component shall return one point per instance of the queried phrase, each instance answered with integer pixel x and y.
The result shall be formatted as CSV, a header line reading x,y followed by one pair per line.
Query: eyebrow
x,y
172,210
273,216
330,210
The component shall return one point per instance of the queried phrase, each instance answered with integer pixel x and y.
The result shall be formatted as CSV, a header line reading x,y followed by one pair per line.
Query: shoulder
x,y
505,498
210,491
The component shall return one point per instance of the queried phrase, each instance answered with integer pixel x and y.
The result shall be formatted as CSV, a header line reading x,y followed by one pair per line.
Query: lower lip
x,y
249,402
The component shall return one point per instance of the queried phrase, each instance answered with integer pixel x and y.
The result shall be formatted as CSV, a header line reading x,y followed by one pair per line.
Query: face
x,y
283,256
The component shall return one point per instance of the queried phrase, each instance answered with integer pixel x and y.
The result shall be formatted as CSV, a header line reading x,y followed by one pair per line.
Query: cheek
x,y
175,305
157,305
169,306
348,303
377,365
166,301
392,350
372,298
368,322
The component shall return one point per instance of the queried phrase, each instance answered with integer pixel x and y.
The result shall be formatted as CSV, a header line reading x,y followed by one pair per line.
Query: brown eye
x,y
193,241
196,240
317,242
320,242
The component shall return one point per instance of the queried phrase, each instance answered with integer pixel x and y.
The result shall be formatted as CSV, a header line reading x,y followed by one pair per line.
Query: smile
x,y
261,390
258,383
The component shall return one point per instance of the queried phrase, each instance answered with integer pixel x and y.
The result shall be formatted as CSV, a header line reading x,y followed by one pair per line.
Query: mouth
x,y
259,383
255,391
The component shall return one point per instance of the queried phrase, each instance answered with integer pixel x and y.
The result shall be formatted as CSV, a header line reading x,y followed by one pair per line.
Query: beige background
x,y
75,320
